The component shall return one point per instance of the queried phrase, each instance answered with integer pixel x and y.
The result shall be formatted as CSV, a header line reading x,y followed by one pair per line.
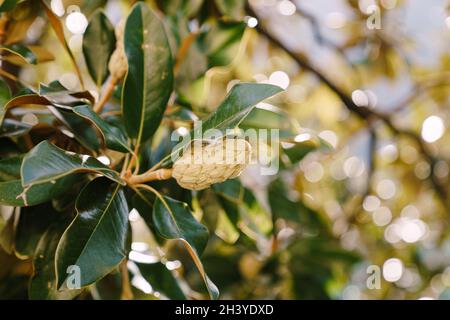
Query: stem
x,y
161,174
125,164
127,293
182,52
134,157
106,95
3,24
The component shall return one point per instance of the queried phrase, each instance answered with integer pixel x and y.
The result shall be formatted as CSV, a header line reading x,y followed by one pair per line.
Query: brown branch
x,y
127,292
363,113
109,90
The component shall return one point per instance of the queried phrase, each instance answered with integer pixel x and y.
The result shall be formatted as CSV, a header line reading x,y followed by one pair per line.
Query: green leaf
x,y
8,5
47,163
149,80
173,220
33,222
43,282
12,193
82,129
5,95
61,97
238,104
22,52
10,168
13,128
99,43
113,136
221,42
53,94
161,279
96,239
231,194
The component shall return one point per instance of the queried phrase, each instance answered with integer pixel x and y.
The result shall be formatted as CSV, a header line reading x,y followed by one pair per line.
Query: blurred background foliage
x,y
379,196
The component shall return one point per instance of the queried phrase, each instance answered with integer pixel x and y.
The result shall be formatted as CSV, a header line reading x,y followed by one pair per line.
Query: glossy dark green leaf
x,y
237,105
47,163
149,80
83,130
43,282
10,168
113,136
12,193
13,128
60,96
53,94
8,5
22,52
161,279
99,43
33,222
96,239
22,100
174,220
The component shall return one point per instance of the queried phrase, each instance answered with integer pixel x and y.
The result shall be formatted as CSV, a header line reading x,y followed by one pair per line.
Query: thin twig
x,y
184,49
127,292
109,90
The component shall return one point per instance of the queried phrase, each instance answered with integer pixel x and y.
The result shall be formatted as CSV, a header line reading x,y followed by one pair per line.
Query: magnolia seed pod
x,y
118,64
206,162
